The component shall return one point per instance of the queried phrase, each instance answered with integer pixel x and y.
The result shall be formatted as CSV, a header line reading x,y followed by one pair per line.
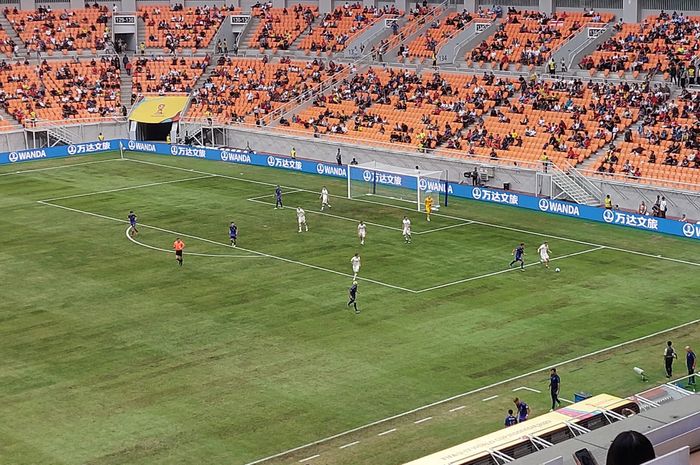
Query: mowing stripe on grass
x,y
464,394
508,228
487,275
355,220
255,199
120,189
195,254
262,254
50,168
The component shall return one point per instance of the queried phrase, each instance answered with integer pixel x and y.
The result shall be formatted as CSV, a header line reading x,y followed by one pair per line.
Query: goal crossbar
x,y
411,185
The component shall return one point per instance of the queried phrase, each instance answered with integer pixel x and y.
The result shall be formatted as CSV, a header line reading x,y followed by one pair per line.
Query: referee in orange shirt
x,y
179,246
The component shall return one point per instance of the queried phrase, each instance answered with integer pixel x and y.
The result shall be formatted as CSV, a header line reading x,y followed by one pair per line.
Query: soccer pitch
x,y
115,355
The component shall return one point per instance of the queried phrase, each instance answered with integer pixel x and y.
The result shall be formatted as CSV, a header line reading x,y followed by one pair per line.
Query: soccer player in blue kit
x,y
233,233
518,253
278,197
132,224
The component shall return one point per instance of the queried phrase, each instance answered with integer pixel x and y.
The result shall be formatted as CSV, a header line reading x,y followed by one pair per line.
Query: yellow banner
x,y
153,109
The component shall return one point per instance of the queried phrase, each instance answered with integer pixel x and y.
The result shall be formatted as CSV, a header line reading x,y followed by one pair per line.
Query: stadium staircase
x,y
22,50
7,117
248,34
126,90
140,33
574,186
440,12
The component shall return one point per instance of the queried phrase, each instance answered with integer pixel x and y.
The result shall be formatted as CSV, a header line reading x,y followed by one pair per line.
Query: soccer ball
x,y
557,270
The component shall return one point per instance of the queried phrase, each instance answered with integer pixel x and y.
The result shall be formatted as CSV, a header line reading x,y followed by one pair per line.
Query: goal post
x,y
374,179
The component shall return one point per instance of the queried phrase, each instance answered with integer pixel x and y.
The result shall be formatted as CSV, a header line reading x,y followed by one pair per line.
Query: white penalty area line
x,y
498,226
195,254
354,220
507,270
60,167
262,254
121,189
429,231
323,213
525,388
473,391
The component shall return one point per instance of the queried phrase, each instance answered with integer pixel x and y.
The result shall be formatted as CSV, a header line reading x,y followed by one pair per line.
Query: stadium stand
x,y
166,75
279,27
175,27
61,90
564,122
427,45
662,44
666,145
7,45
528,38
403,107
244,90
336,29
44,30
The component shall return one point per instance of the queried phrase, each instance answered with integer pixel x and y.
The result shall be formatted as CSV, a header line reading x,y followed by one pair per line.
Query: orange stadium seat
x,y
61,90
174,27
244,90
45,30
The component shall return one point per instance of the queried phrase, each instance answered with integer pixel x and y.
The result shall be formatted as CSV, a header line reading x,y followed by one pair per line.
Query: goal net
x,y
392,182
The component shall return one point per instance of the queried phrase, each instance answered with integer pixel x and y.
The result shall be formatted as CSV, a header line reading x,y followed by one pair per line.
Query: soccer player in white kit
x,y
355,261
324,198
362,232
301,219
543,250
406,230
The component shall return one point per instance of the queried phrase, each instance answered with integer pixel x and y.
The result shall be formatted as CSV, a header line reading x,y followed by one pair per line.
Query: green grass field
x,y
112,354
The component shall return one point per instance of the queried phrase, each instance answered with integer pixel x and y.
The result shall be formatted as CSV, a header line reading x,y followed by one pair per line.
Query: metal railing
x,y
582,180
471,37
642,181
413,26
454,155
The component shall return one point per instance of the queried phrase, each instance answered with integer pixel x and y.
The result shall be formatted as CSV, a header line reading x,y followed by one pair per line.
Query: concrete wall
x,y
579,46
523,180
10,141
627,196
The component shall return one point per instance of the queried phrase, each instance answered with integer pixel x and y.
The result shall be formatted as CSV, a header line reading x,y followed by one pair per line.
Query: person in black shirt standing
x,y
554,383
690,362
669,356
353,296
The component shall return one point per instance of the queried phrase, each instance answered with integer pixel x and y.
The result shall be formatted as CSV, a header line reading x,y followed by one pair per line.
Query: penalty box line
x,y
481,223
262,254
507,270
354,220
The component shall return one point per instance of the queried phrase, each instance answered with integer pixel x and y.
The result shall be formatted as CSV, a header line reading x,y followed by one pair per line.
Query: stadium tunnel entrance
x,y
154,131
155,118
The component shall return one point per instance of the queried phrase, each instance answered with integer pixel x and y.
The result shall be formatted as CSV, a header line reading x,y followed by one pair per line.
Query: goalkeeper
x,y
428,206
